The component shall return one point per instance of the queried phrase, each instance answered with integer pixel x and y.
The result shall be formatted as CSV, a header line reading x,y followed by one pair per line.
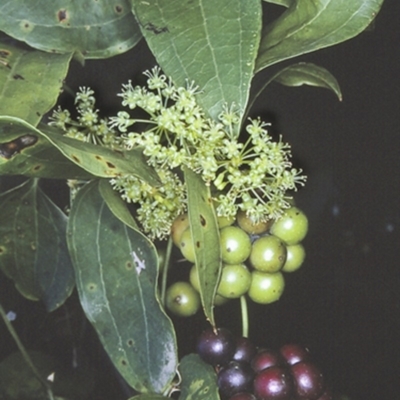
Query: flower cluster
x,y
253,175
88,127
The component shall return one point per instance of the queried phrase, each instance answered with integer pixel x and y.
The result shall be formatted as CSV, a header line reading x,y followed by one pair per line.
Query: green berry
x,y
292,227
179,225
266,288
268,254
225,221
194,281
235,245
186,245
182,299
235,281
295,257
250,226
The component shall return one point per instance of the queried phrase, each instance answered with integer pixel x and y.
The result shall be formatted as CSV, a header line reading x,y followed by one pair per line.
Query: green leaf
x,y
97,160
116,205
285,3
24,152
205,234
310,25
96,29
199,380
33,247
30,81
17,381
213,43
116,277
308,74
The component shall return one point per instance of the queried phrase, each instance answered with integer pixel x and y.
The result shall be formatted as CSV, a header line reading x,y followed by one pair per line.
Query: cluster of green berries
x,y
254,255
252,175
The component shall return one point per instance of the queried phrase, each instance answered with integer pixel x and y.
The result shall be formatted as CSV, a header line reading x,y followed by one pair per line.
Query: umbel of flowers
x,y
253,175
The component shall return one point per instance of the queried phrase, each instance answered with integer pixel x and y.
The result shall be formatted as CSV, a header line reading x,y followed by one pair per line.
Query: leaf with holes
x,y
33,247
30,81
308,74
205,234
199,380
213,43
116,276
97,160
95,29
24,152
307,26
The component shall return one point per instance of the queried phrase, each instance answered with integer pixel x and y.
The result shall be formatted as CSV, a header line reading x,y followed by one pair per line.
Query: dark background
x,y
344,303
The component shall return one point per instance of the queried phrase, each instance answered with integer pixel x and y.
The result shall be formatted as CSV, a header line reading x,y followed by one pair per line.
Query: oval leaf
x,y
199,380
116,205
307,26
213,43
205,234
97,160
26,72
308,74
96,29
33,247
23,152
116,277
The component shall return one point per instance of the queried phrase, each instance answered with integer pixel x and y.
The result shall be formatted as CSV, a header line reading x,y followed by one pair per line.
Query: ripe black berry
x,y
294,353
243,396
266,358
245,350
236,377
216,348
273,383
308,380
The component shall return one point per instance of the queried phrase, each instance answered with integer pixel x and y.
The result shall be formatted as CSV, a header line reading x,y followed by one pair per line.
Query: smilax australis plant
x,y
177,175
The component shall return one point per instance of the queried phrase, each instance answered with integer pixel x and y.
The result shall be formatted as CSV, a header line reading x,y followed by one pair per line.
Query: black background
x,y
344,303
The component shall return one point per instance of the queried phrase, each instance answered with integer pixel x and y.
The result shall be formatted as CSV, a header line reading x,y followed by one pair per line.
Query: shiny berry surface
x,y
216,348
266,358
273,383
235,245
294,353
308,380
234,378
245,350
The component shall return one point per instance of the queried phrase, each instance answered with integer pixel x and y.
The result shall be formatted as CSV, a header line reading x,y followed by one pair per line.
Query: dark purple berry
x,y
308,380
245,350
236,377
294,353
216,348
273,383
243,396
266,358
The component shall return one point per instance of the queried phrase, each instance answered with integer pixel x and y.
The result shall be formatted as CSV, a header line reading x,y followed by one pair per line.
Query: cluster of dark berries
x,y
247,373
254,255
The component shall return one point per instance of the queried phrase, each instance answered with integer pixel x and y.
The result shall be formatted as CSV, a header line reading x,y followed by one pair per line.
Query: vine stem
x,y
165,270
245,316
25,354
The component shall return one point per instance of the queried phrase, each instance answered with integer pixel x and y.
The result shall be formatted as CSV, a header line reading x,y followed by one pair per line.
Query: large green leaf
x,y
96,29
30,81
213,43
33,247
199,380
116,277
205,234
97,160
314,24
23,152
